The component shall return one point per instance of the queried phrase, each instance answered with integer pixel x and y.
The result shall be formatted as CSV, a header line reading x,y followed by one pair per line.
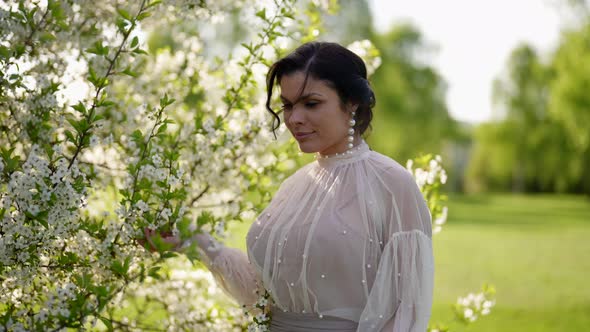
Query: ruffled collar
x,y
356,153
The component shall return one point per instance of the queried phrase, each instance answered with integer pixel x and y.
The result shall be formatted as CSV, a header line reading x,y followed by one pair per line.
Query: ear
x,y
352,107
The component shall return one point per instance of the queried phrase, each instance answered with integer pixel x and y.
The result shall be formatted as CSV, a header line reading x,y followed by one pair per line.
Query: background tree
x,y
411,115
352,21
570,104
540,140
507,154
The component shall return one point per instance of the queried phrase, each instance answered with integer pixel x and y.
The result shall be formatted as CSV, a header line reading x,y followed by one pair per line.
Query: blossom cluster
x,y
190,297
260,315
110,135
368,52
430,176
474,305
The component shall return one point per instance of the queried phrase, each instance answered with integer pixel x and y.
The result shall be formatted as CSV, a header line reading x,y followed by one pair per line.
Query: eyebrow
x,y
302,97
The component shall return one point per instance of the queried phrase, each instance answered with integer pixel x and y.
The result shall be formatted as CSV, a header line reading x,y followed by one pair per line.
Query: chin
x,y
308,147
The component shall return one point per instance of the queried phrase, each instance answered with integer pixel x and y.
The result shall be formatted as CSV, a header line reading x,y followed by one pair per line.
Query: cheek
x,y
335,124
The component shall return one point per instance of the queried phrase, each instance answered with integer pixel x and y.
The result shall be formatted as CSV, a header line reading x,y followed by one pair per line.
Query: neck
x,y
342,151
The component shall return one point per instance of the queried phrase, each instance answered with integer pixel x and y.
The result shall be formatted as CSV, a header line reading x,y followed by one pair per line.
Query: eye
x,y
311,104
286,107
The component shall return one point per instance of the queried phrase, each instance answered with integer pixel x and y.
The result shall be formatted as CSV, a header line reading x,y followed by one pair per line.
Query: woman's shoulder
x,y
389,169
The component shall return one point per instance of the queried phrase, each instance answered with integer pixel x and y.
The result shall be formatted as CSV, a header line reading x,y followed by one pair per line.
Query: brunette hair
x,y
334,64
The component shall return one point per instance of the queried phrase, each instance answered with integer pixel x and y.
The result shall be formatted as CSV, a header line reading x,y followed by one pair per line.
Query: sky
x,y
474,39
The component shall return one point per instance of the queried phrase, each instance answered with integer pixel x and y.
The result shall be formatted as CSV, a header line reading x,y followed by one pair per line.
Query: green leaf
x,y
107,322
67,259
154,3
137,135
124,14
169,254
205,218
124,192
75,123
92,76
143,15
141,272
262,14
80,108
10,163
162,129
47,36
84,124
153,272
184,228
129,72
105,103
97,118
98,48
83,281
122,25
139,51
43,222
101,291
165,101
4,52
31,15
218,122
70,136
249,47
120,268
134,42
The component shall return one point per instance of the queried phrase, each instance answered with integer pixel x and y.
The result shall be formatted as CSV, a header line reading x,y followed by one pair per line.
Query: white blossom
x,y
72,205
94,141
142,206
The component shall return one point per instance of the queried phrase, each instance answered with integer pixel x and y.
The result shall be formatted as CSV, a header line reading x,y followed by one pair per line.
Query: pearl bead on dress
x,y
339,154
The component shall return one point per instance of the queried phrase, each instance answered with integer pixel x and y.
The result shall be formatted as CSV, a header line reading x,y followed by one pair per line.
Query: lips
x,y
302,135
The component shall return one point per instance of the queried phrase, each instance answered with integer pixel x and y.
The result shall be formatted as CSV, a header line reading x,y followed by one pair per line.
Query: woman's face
x,y
315,117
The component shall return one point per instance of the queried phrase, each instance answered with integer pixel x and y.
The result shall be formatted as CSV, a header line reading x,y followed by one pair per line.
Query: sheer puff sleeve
x,y
230,268
401,297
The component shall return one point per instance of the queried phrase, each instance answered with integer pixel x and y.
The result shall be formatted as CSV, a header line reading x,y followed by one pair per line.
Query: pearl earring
x,y
350,149
352,122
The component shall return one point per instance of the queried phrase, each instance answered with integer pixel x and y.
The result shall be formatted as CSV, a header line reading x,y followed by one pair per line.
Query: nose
x,y
296,116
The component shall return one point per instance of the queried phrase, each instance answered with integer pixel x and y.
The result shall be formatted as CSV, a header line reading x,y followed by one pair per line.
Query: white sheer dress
x,y
345,240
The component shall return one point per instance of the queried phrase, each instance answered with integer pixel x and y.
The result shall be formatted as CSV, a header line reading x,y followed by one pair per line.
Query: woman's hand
x,y
169,241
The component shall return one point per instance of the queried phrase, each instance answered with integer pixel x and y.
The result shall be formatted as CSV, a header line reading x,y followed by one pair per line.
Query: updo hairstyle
x,y
340,68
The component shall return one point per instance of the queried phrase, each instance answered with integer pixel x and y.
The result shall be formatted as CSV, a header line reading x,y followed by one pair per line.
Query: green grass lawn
x,y
534,249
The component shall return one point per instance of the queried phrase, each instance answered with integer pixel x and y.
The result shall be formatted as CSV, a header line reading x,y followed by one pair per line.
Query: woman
x,y
345,244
